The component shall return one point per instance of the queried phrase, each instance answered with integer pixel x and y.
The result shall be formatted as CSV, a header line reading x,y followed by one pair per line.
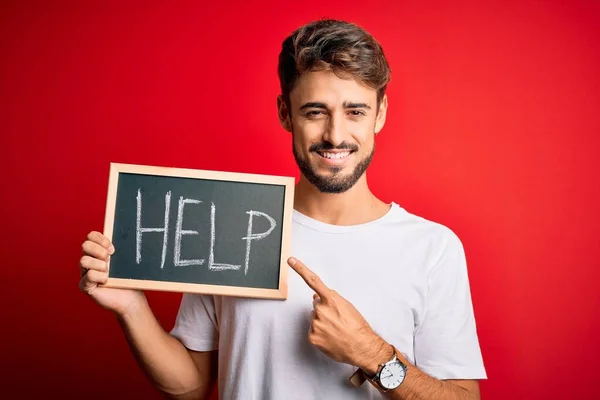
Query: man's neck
x,y
355,206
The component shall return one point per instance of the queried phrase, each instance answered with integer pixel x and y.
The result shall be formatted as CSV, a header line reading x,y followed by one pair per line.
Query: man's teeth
x,y
335,155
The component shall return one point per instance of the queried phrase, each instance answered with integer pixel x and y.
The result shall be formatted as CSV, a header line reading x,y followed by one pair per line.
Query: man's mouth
x,y
334,155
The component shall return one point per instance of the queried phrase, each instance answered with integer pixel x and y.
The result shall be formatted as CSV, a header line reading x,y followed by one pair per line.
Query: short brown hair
x,y
342,47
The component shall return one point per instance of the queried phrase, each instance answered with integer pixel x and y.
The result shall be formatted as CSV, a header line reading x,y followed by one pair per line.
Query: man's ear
x,y
285,118
381,114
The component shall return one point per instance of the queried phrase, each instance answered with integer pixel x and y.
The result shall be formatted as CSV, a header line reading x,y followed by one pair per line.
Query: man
x,y
380,294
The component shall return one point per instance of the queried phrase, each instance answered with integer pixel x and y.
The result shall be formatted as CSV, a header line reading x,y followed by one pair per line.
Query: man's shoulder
x,y
418,225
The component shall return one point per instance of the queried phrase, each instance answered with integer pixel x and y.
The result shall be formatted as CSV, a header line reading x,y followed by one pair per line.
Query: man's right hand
x,y
93,266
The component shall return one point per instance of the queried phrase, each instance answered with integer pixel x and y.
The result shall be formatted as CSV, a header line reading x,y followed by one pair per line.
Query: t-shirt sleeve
x,y
446,343
196,324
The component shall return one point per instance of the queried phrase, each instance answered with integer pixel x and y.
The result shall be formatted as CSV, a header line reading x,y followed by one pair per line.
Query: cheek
x,y
298,141
301,146
305,135
364,136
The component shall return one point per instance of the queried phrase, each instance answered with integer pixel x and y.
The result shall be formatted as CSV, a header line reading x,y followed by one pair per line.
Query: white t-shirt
x,y
405,274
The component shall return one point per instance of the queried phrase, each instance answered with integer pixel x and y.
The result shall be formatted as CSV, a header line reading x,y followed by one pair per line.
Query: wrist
x,y
133,310
377,353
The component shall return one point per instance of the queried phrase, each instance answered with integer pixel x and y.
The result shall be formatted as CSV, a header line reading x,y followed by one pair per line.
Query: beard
x,y
336,182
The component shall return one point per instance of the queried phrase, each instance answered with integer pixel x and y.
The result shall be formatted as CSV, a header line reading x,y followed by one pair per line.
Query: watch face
x,y
392,375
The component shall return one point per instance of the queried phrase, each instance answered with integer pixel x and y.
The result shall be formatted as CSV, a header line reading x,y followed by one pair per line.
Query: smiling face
x,y
333,123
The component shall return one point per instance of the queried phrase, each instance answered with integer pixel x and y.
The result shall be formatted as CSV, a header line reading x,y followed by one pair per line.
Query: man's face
x,y
333,124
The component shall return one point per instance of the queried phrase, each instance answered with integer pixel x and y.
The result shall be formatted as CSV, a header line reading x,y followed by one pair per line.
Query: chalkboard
x,y
198,231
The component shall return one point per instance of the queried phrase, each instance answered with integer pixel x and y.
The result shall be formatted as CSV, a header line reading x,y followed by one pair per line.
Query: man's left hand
x,y
337,328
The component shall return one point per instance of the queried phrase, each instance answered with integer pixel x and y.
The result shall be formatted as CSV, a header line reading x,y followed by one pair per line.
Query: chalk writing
x,y
139,230
180,232
255,236
211,257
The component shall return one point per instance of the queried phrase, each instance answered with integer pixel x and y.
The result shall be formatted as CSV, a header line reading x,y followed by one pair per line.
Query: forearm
x,y
419,386
164,360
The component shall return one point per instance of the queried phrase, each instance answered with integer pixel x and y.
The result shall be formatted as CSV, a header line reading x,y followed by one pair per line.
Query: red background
x,y
493,130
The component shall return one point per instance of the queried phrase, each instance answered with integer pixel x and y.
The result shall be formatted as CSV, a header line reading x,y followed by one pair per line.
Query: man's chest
x,y
383,283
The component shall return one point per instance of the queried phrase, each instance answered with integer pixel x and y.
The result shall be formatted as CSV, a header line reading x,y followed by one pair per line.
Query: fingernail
x,y
111,249
291,261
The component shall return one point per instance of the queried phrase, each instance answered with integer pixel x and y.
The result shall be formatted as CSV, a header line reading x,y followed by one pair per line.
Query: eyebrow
x,y
346,104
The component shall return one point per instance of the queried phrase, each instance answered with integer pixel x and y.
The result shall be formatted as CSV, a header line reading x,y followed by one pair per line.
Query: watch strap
x,y
359,376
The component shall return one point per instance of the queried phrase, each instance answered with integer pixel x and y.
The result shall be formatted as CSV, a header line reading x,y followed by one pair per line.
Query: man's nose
x,y
335,131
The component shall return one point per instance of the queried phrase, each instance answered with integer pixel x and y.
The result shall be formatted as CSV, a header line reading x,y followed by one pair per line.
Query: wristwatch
x,y
389,375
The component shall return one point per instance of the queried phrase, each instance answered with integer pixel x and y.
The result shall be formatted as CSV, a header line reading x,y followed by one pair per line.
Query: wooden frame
x,y
288,182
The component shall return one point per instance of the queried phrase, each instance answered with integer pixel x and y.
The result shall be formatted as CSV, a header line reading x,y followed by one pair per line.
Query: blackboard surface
x,y
199,231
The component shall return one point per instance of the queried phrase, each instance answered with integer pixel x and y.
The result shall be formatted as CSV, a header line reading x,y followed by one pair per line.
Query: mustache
x,y
329,146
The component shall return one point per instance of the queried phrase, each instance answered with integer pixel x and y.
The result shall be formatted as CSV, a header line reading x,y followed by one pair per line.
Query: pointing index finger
x,y
311,279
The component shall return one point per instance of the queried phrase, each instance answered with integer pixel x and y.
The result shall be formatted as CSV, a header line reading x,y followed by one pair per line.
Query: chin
x,y
332,178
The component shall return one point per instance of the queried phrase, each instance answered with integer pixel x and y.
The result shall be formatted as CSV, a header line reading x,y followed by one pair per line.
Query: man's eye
x,y
314,113
356,113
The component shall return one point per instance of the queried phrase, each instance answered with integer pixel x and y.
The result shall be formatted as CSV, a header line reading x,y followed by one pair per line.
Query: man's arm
x,y
420,386
341,332
417,385
174,370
